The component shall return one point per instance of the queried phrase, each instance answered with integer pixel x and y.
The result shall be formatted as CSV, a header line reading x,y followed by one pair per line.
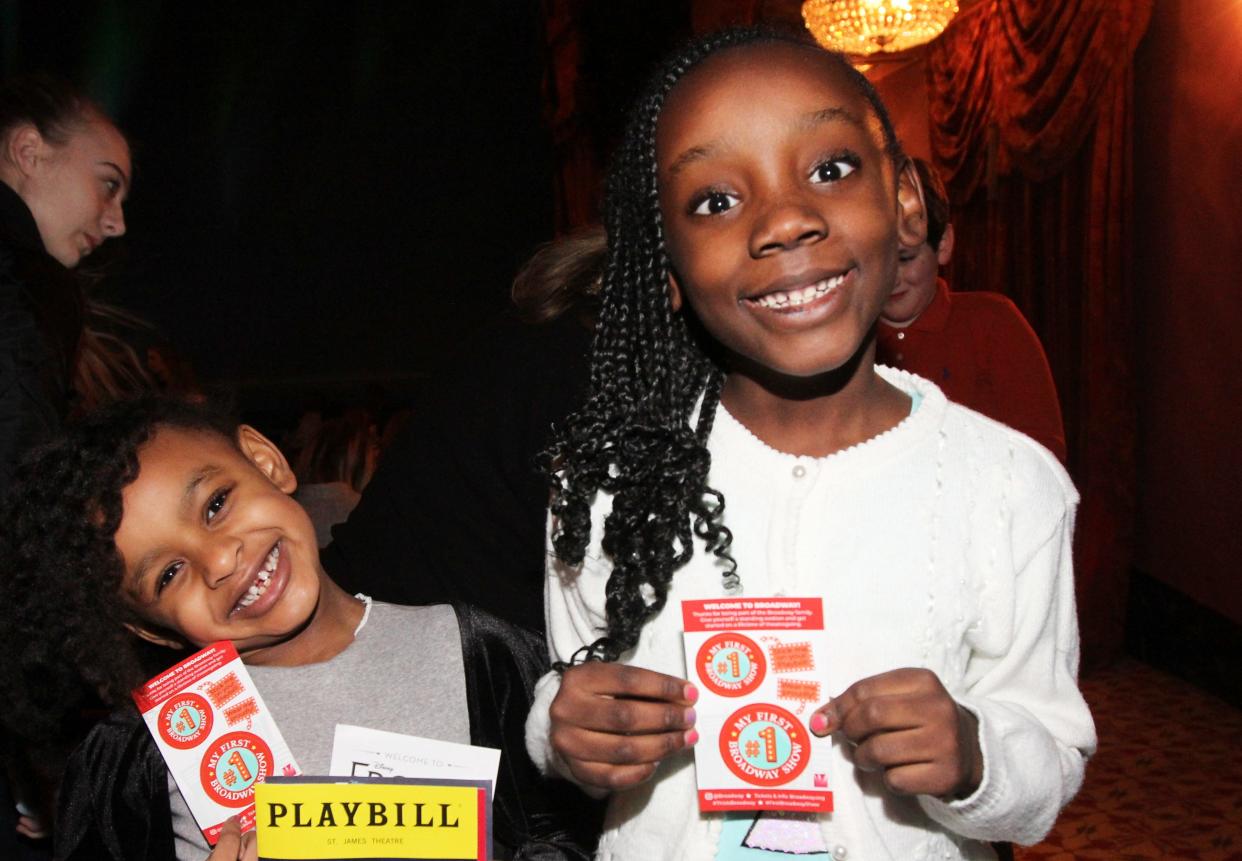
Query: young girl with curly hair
x,y
739,439
159,523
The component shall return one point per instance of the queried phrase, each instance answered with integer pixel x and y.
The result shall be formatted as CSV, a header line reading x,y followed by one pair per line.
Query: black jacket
x,y
40,326
114,799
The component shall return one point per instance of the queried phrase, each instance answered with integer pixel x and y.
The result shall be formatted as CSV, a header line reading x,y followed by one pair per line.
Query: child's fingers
x,y
624,700
612,724
619,715
922,778
229,843
906,724
611,777
889,714
613,749
250,846
620,680
232,845
866,693
894,750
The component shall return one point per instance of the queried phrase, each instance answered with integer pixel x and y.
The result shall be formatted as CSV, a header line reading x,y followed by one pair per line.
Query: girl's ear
x,y
156,636
267,458
23,148
911,211
674,291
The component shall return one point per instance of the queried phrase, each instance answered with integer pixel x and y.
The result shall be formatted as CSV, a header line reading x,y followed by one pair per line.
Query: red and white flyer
x,y
757,663
217,736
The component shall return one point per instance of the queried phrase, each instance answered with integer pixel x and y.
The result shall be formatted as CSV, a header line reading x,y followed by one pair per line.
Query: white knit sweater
x,y
943,543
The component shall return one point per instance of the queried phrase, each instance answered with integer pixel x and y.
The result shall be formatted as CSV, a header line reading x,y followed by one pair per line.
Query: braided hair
x,y
636,437
63,634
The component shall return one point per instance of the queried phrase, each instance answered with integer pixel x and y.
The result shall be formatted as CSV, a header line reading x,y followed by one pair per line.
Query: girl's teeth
x,y
801,296
253,594
256,589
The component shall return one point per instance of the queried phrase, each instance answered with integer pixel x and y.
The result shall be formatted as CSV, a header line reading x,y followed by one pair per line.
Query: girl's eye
x,y
216,504
113,186
166,576
834,169
715,202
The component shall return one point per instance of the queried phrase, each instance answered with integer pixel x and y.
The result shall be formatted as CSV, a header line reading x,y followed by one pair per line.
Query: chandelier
x,y
864,27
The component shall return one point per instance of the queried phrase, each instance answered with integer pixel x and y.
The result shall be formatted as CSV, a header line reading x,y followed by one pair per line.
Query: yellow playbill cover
x,y
375,818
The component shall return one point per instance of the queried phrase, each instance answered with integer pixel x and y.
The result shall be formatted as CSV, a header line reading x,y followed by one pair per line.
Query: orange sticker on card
x,y
792,657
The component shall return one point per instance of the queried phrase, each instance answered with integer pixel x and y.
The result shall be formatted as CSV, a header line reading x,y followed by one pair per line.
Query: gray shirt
x,y
403,673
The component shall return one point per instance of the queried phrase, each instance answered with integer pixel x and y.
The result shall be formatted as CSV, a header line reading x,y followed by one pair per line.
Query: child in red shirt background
x,y
976,346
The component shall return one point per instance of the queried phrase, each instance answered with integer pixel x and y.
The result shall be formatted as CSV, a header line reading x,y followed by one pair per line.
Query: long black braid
x,y
636,437
62,633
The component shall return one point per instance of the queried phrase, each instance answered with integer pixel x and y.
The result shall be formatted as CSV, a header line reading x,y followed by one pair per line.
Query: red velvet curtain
x,y
1031,127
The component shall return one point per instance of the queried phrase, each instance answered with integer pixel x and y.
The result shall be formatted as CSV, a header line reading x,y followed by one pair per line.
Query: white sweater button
x,y
839,852
799,471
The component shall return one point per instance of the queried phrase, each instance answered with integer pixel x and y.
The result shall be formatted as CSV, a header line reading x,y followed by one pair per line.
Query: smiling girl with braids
x,y
739,439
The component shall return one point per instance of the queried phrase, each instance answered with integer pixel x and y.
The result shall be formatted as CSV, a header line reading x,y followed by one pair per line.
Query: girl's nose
x,y
113,222
786,226
221,558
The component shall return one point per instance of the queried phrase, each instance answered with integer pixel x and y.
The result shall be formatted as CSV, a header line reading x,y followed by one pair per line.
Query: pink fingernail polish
x,y
819,723
692,693
692,737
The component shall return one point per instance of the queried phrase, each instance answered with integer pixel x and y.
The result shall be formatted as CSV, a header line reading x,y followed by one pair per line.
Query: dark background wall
x,y
1188,281
325,193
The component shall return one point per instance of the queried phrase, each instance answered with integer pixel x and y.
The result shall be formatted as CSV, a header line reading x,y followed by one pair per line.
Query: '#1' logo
x,y
764,745
233,765
185,720
731,665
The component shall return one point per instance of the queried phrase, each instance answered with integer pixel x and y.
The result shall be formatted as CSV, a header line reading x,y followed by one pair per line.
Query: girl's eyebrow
x,y
191,487
829,115
695,153
807,121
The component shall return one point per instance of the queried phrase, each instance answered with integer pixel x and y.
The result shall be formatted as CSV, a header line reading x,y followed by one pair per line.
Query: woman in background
x,y
64,174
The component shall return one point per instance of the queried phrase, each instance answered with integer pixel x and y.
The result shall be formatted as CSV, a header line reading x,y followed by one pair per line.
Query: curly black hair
x,y
635,438
63,634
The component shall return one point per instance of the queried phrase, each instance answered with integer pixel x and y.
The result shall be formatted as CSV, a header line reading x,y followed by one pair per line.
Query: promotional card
x,y
757,663
216,735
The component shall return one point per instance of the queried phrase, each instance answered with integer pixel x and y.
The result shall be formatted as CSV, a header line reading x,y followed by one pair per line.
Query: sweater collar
x,y
922,423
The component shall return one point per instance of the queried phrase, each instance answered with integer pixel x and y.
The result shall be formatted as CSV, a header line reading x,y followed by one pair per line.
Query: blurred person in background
x,y
975,345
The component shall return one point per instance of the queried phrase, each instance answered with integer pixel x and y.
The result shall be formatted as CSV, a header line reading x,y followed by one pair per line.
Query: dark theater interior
x,y
330,202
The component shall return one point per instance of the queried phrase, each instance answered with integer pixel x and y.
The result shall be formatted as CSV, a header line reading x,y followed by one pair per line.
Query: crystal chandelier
x,y
864,27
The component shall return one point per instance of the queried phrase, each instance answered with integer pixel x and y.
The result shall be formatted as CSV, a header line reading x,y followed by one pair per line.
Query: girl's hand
x,y
612,724
233,845
905,723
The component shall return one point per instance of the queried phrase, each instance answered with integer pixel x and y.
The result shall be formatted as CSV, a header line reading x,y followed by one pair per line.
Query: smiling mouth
x,y
786,299
256,589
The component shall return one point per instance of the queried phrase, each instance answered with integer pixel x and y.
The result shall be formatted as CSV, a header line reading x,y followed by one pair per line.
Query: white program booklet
x,y
361,752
